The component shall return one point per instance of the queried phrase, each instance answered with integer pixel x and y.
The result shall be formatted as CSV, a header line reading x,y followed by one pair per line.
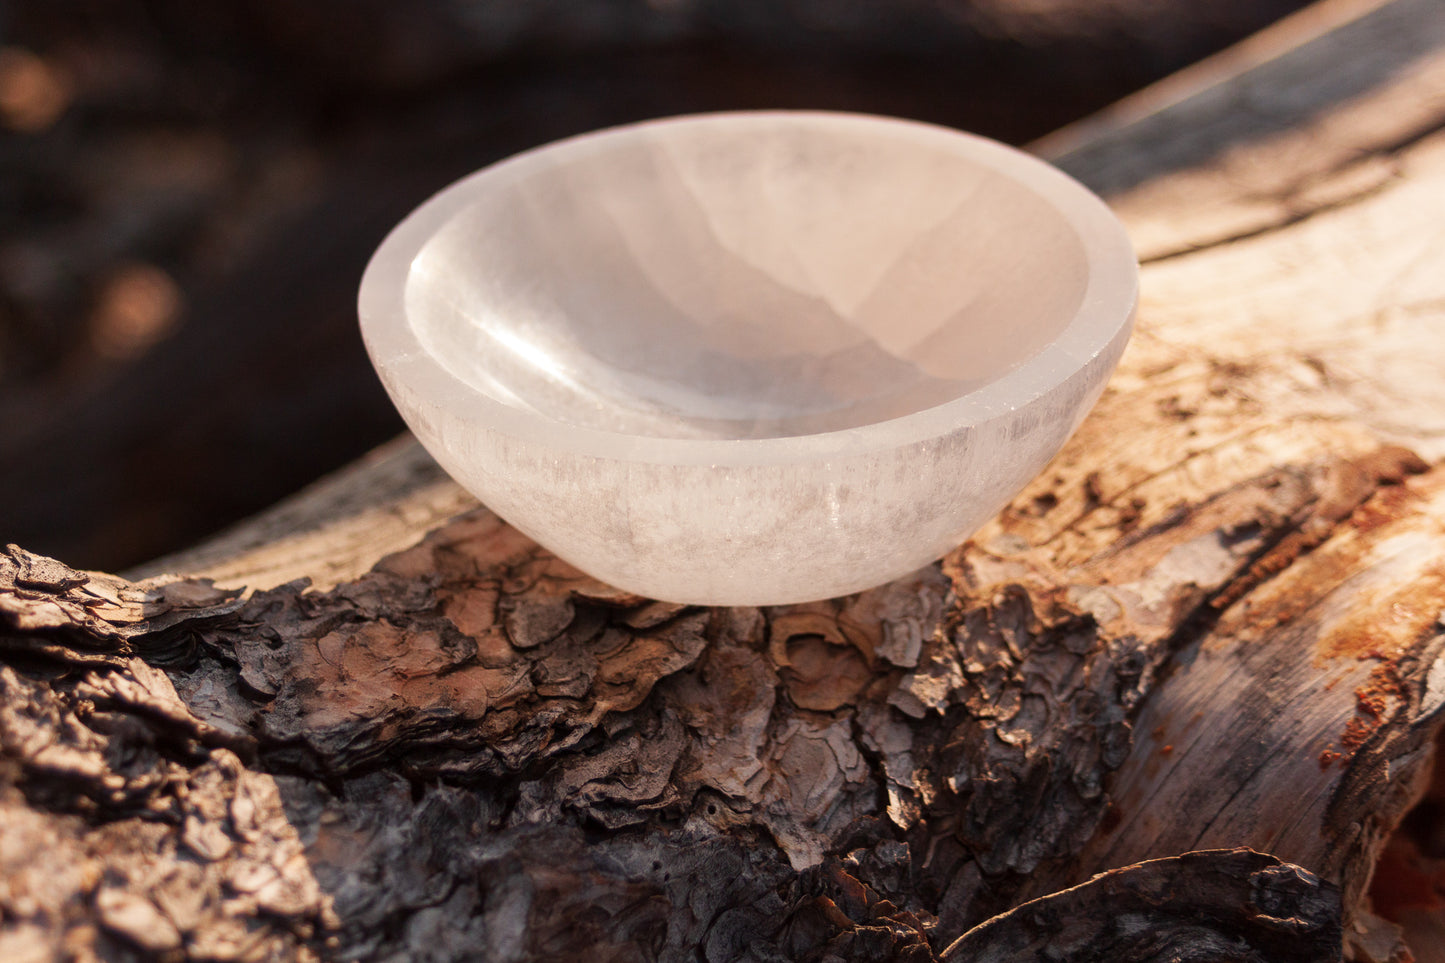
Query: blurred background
x,y
190,190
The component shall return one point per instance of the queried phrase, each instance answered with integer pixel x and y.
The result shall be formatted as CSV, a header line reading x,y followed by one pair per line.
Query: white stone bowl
x,y
751,358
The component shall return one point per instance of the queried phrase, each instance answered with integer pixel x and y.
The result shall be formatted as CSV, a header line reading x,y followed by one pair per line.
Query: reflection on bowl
x,y
751,358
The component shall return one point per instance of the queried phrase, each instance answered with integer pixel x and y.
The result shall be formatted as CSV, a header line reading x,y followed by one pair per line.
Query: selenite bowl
x,y
751,358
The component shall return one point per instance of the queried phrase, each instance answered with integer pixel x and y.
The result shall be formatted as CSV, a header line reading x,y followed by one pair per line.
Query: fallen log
x,y
1200,654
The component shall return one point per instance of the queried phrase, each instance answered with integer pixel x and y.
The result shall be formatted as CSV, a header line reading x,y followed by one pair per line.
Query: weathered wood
x,y
1213,622
334,531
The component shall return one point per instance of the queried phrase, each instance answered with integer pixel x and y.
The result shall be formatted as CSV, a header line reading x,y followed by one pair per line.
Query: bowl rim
x,y
406,366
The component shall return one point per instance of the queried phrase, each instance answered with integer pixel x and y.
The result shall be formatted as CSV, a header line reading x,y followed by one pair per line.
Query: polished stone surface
x,y
751,358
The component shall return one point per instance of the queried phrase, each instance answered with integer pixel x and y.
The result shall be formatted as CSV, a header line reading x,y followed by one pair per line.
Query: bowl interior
x,y
783,277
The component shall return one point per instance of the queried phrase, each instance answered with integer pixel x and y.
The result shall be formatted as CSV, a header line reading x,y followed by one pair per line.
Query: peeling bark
x,y
1201,654
126,832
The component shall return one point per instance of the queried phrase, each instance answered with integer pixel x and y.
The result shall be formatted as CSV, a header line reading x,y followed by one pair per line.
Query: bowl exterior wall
x,y
760,534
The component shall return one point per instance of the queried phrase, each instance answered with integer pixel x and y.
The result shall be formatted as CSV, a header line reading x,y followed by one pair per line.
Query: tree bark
x,y
1201,654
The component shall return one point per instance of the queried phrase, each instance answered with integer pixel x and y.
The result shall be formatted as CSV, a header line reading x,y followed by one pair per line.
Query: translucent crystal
x,y
751,358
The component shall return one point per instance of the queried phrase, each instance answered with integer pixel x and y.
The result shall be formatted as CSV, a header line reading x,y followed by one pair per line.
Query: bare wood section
x,y
333,531
1212,623
1314,122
